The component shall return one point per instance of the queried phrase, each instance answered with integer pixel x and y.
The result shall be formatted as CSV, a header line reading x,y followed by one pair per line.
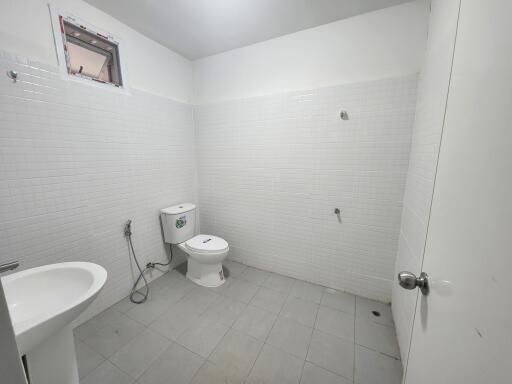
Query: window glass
x,y
91,55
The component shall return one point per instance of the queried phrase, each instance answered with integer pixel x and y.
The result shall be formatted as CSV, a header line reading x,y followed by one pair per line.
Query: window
x,y
89,54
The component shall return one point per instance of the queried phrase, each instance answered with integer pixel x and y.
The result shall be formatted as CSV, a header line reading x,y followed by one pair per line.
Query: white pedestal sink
x,y
42,303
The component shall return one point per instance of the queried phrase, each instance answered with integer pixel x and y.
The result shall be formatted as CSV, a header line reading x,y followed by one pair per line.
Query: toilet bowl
x,y
205,256
205,252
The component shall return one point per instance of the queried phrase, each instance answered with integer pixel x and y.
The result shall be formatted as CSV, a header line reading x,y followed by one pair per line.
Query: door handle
x,y
408,280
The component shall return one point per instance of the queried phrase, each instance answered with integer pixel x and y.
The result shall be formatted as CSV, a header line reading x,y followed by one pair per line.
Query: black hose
x,y
153,265
128,234
141,276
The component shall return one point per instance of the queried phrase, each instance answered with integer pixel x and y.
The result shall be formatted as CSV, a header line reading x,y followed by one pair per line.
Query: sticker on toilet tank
x,y
181,221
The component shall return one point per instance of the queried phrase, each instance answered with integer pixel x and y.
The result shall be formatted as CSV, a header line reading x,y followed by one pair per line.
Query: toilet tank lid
x,y
177,209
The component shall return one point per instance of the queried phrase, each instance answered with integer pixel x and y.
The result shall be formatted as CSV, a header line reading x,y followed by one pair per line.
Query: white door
x,y
463,328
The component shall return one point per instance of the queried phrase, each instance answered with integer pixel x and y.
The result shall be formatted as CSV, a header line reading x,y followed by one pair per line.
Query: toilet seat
x,y
206,244
213,255
205,256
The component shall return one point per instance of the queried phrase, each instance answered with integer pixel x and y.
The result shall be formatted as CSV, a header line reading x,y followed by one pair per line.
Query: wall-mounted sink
x,y
42,302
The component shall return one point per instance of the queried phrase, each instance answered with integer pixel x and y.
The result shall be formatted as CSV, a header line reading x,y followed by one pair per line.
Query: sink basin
x,y
44,299
42,302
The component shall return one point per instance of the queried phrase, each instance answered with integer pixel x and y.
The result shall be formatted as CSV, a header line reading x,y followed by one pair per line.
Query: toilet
x,y
205,252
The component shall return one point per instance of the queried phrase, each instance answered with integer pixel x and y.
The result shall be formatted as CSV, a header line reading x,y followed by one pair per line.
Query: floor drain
x,y
376,313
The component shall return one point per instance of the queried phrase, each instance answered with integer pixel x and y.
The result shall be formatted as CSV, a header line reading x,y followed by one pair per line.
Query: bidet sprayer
x,y
128,228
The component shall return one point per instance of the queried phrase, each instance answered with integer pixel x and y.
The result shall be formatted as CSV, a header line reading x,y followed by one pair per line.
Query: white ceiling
x,y
199,28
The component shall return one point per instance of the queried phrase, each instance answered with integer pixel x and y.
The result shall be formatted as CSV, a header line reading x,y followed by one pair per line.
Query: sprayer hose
x,y
134,290
141,276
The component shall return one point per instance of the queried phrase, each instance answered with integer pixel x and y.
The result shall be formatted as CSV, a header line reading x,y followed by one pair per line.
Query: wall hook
x,y
13,75
344,115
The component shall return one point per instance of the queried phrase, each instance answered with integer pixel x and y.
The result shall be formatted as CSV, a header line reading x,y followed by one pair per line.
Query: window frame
x,y
58,18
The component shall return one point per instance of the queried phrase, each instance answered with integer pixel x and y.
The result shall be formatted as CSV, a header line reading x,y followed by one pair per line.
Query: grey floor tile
x,y
332,353
281,311
241,290
106,317
170,278
175,321
203,337
172,289
211,374
236,354
136,356
372,367
225,310
312,374
291,337
145,313
222,288
365,308
111,338
341,301
255,322
107,373
101,320
176,365
160,283
377,336
86,330
301,311
181,270
269,300
274,366
199,298
254,275
307,291
124,305
178,272
87,358
234,269
335,322
279,283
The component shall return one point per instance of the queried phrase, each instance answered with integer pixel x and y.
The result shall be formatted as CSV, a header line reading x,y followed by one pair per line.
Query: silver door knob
x,y
408,280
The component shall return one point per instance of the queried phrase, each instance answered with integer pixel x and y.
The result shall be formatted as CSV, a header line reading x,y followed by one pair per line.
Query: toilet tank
x,y
178,222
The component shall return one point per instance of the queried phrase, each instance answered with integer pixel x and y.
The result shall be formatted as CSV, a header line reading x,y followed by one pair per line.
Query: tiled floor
x,y
257,328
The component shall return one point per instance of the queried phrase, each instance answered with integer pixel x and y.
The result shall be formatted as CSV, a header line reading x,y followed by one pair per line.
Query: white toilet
x,y
206,252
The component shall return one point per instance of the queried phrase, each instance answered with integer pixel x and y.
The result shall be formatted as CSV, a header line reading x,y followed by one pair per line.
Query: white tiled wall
x,y
430,110
272,170
77,162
